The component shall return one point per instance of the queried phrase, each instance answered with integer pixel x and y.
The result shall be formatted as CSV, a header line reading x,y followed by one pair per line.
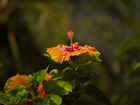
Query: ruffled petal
x,y
15,80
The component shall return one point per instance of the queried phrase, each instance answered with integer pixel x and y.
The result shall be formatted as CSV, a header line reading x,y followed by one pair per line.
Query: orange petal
x,y
61,52
57,54
48,77
40,90
15,80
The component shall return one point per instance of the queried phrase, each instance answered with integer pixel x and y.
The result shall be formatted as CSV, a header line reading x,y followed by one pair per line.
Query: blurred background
x,y
28,27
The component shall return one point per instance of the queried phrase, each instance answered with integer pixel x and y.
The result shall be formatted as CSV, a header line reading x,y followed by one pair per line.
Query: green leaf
x,y
134,42
84,60
46,55
68,74
40,76
94,58
67,69
5,98
57,87
56,99
136,66
94,92
18,94
53,72
49,100
30,81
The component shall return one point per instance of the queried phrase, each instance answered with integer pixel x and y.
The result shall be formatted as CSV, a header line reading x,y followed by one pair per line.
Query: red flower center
x,y
72,47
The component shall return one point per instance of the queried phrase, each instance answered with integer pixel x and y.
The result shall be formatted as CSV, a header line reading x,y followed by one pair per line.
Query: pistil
x,y
70,35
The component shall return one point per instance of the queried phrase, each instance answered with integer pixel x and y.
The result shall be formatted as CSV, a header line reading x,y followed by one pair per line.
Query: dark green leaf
x,y
68,74
57,87
18,94
96,93
134,42
83,60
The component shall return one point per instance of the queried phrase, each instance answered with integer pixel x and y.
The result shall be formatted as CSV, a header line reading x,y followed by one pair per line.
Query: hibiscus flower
x,y
62,53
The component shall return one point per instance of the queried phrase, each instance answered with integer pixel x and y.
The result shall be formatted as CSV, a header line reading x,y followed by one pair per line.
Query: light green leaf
x,y
46,55
66,69
94,58
30,81
18,94
53,72
56,99
5,98
49,100
40,76
57,87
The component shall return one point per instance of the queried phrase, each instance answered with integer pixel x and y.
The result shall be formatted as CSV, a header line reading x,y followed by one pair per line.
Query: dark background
x,y
28,27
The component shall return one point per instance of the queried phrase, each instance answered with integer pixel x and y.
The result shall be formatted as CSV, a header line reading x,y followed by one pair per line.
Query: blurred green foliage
x,y
113,27
0,64
18,94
